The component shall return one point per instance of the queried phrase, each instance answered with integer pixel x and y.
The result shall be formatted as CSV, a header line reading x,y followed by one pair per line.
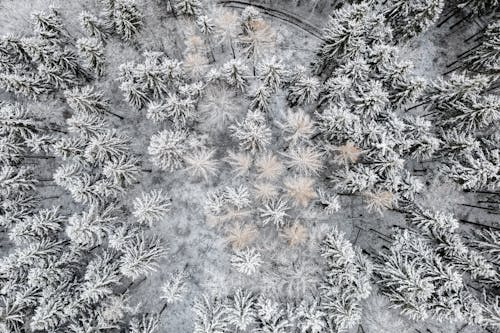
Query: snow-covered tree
x,y
275,212
188,7
151,207
305,160
235,73
210,316
241,311
480,7
261,99
89,229
48,23
111,145
409,19
273,73
201,163
346,282
94,26
484,59
174,288
168,148
300,189
246,261
252,133
145,324
141,255
304,90
127,19
23,84
298,126
87,100
92,50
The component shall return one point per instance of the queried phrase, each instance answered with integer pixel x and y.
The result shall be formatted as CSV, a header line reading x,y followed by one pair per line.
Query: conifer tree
x,y
484,59
94,27
141,255
48,24
107,146
304,90
151,207
168,148
91,49
87,100
241,311
210,316
127,19
235,73
252,133
409,19
346,282
188,7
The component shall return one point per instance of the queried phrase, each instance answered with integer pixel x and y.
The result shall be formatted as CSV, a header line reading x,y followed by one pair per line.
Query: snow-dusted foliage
x,y
426,272
241,166
346,282
409,19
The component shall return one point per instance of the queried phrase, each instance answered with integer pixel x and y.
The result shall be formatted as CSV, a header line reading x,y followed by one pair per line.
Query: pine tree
x,y
141,255
261,99
210,316
92,50
87,100
168,148
409,19
94,26
370,100
124,170
44,224
68,148
107,146
23,84
305,160
205,24
246,261
146,324
475,114
275,212
48,24
273,73
458,87
101,275
89,229
16,180
151,207
127,19
134,94
87,125
303,90
480,7
271,316
484,59
235,73
174,289
346,282
253,133
349,30
188,7
241,311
